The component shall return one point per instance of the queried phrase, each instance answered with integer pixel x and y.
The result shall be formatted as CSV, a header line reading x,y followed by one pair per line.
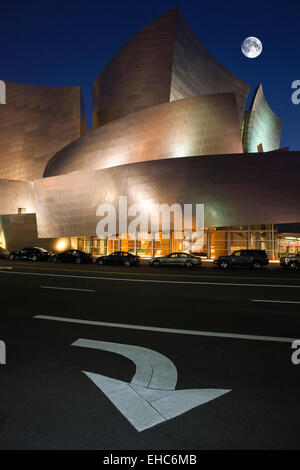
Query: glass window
x,y
237,253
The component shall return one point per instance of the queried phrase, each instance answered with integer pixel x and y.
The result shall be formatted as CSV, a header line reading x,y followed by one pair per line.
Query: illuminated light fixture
x,y
290,238
61,245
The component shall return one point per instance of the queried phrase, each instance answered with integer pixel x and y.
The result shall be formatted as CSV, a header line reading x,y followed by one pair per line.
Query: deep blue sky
x,y
66,42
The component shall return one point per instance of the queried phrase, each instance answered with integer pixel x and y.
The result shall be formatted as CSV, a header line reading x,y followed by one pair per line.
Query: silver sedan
x,y
178,258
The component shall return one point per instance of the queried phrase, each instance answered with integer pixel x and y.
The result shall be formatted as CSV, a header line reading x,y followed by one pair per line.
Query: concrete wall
x,y
20,230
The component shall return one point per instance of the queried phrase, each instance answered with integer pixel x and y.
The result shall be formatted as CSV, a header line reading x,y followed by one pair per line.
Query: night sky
x,y
61,43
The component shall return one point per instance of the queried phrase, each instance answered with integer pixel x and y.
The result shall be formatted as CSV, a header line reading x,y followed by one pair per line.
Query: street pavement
x,y
101,357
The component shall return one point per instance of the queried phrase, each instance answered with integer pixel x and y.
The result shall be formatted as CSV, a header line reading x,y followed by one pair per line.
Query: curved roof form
x,y
262,127
164,62
203,125
35,123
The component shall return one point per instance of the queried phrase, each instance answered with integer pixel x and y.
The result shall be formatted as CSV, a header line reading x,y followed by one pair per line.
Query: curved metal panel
x,y
163,62
202,125
35,123
262,127
234,189
139,74
196,72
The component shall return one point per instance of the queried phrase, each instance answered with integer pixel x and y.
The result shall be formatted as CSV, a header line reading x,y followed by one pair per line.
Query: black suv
x,y
119,257
248,258
31,253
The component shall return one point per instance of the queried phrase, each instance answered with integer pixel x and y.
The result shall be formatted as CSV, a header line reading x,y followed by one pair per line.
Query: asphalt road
x,y
230,331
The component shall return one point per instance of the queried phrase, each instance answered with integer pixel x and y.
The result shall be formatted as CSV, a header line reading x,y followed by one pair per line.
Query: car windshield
x,y
41,249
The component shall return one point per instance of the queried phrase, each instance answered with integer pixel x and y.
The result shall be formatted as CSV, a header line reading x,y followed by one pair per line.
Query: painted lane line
x,y
5,267
67,288
150,398
135,273
277,301
168,330
155,281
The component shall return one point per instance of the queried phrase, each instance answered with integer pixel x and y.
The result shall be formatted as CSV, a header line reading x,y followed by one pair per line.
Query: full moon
x,y
251,47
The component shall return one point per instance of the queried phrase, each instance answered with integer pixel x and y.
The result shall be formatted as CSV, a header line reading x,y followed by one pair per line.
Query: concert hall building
x,y
170,125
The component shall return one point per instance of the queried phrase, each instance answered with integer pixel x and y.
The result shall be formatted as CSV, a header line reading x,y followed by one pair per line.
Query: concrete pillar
x,y
228,243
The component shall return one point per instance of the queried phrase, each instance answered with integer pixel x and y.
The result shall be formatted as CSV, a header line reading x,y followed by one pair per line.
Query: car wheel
x,y
78,260
34,258
156,262
55,259
256,265
188,264
12,257
224,265
293,265
100,261
127,263
17,257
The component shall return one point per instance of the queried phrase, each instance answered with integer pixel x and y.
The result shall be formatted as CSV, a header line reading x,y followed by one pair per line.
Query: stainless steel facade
x,y
236,190
203,125
16,197
261,127
163,62
35,123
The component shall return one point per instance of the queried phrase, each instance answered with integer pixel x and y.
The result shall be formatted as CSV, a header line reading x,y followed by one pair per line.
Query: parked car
x,y
4,253
119,257
177,259
72,256
247,258
31,253
292,262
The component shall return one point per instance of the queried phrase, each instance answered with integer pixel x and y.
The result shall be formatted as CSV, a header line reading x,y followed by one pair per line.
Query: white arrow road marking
x,y
150,398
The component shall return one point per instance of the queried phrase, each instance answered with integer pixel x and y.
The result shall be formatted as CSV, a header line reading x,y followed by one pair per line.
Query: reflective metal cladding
x,y
202,125
235,189
262,128
35,123
164,62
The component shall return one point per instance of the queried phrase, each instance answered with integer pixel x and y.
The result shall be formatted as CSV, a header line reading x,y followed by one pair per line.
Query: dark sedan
x,y
73,256
4,253
31,253
119,257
